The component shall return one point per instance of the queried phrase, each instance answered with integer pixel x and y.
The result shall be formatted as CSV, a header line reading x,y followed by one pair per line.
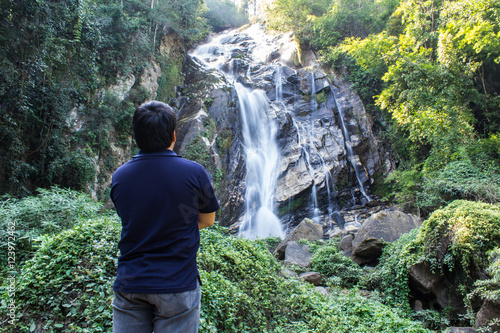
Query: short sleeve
x,y
208,201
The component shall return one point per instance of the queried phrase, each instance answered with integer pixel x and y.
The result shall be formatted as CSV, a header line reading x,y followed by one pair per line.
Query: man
x,y
163,201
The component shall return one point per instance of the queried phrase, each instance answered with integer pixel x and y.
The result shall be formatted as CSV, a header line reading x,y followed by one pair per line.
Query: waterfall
x,y
353,159
290,145
262,156
314,106
258,131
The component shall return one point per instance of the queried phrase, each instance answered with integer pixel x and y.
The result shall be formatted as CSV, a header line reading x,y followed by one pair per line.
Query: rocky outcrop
x,y
307,229
345,245
489,316
423,278
386,226
297,254
305,104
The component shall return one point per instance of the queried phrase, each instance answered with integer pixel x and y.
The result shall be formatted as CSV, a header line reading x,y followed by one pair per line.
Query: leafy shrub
x,y
453,240
243,291
473,229
490,288
460,179
48,213
405,184
341,271
432,319
67,285
390,277
74,170
197,151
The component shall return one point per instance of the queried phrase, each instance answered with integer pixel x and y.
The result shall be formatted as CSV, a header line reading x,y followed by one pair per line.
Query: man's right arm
x,y
206,220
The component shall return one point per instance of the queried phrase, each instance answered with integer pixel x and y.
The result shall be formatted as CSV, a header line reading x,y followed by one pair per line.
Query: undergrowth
x,y
67,287
454,242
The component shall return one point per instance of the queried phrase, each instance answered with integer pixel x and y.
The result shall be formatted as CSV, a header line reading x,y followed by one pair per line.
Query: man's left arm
x,y
206,220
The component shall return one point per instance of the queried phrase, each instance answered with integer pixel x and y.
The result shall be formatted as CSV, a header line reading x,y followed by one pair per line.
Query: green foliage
x,y
428,100
245,292
341,271
320,97
391,274
345,18
474,228
68,282
198,151
433,72
184,17
404,185
296,15
322,24
67,285
460,179
48,213
432,319
490,288
471,174
59,58
224,141
453,241
75,170
169,79
224,14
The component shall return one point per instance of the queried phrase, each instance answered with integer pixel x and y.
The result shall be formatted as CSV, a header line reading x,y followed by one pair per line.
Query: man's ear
x,y
173,137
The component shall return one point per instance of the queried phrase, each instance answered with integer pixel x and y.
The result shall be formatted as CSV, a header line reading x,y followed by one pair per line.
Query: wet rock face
x,y
317,116
208,132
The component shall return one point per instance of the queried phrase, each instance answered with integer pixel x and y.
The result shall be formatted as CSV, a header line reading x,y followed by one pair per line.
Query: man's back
x,y
158,196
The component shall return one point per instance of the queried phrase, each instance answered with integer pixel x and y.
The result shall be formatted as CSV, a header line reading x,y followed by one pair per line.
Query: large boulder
x,y
307,229
423,278
297,254
345,245
385,226
487,314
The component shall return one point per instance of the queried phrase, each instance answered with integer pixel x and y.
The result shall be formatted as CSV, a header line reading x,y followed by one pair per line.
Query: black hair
x,y
154,124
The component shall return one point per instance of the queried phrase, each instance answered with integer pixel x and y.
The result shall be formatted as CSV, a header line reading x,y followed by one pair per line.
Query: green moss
x,y
321,97
197,151
453,240
290,206
170,78
210,126
472,227
224,142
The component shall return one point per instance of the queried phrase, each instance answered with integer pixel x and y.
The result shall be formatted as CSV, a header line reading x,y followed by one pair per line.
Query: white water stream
x,y
354,159
241,56
261,151
259,134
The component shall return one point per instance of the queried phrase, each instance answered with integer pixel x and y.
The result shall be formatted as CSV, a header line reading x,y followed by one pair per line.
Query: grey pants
x,y
161,313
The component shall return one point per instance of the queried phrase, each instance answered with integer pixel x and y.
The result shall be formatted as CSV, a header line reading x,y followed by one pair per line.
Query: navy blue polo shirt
x,y
158,197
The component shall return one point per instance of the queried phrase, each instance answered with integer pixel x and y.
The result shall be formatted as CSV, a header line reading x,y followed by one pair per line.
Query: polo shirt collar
x,y
163,152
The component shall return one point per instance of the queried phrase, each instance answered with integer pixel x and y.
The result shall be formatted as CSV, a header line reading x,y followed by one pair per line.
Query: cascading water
x,y
353,159
259,138
262,156
280,105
